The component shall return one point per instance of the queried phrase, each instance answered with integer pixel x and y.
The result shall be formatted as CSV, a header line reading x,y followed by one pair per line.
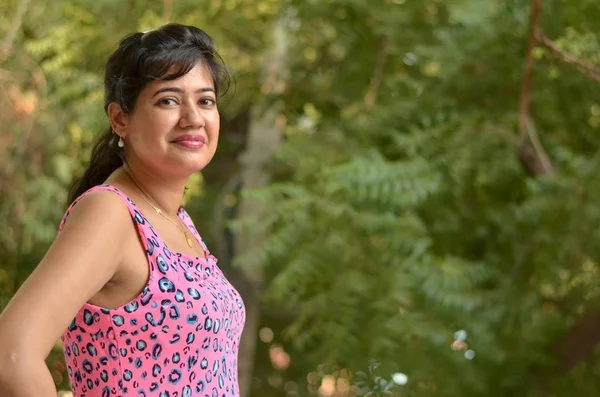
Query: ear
x,y
119,120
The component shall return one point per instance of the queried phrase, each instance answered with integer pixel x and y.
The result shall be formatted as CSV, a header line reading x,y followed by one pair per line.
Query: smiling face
x,y
174,127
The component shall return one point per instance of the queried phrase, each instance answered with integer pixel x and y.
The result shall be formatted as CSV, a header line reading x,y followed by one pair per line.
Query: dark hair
x,y
140,59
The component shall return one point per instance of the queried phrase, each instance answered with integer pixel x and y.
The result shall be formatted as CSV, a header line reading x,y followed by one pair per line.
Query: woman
x,y
128,284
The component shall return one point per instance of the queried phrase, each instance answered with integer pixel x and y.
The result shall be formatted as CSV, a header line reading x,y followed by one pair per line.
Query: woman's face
x,y
174,128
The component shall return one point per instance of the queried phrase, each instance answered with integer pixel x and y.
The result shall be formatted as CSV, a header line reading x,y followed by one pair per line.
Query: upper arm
x,y
82,259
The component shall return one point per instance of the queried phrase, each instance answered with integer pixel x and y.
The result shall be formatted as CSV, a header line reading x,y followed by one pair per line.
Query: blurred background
x,y
403,188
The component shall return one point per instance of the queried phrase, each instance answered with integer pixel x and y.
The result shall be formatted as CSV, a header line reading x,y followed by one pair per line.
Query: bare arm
x,y
82,259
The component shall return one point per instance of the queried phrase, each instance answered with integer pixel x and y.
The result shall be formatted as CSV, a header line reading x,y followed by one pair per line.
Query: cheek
x,y
151,123
162,122
214,124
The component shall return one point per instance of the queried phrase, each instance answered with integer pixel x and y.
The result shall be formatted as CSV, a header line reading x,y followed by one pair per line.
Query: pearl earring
x,y
121,142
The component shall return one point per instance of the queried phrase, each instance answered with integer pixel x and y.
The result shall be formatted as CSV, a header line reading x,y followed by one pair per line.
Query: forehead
x,y
198,77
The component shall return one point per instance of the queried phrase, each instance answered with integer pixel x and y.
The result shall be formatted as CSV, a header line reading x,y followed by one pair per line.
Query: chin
x,y
198,165
189,163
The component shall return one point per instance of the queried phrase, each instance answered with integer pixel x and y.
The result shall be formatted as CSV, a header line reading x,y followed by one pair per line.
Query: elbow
x,y
23,373
11,371
13,361
8,362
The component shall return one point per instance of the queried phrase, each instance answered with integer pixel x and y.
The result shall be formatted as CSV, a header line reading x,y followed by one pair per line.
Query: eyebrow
x,y
179,90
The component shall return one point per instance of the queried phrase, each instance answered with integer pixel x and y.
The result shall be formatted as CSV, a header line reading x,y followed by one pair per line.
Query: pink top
x,y
179,337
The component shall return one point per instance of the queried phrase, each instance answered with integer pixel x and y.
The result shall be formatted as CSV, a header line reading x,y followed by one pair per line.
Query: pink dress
x,y
180,337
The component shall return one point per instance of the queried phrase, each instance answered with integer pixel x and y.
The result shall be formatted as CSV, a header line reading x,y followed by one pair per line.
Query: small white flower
x,y
399,378
460,335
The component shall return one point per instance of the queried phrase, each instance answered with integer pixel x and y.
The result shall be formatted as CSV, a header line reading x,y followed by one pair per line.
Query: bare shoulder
x,y
99,205
82,259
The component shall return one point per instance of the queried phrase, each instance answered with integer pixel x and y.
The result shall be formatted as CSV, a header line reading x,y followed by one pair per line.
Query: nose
x,y
191,117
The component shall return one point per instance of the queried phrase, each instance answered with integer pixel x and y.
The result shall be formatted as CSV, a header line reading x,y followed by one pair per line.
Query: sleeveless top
x,y
178,338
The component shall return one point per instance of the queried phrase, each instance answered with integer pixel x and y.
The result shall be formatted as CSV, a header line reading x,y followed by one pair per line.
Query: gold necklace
x,y
145,196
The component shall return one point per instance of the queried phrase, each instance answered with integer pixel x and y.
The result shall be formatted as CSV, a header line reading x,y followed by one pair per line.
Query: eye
x,y
208,102
167,101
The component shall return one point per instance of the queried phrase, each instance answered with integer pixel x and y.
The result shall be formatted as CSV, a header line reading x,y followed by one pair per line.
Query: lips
x,y
190,141
190,138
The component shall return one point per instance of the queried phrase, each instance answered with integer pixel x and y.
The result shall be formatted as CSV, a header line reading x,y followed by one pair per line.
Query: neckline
x,y
180,211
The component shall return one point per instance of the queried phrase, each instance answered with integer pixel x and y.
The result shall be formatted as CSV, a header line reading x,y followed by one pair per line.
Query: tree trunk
x,y
263,138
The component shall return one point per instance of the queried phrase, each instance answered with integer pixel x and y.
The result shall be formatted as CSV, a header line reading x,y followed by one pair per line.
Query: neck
x,y
166,194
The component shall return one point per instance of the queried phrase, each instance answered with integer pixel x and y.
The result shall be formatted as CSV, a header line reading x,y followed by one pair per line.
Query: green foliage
x,y
403,210
371,385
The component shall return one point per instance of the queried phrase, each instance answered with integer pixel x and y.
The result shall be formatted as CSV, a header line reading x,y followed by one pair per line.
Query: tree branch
x,y
505,133
277,63
593,71
544,164
534,21
532,154
8,40
371,95
167,10
579,341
